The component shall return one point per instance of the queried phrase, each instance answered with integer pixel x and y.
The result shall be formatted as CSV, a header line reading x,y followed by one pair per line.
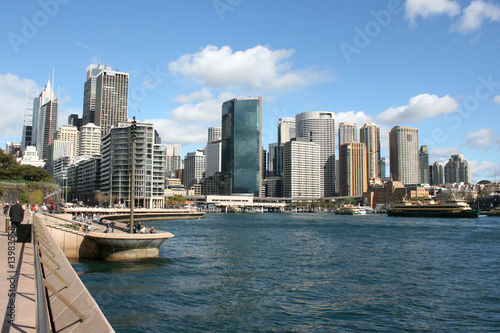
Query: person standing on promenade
x,y
16,215
5,209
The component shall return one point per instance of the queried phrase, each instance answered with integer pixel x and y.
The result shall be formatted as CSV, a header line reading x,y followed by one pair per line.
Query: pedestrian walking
x,y
16,216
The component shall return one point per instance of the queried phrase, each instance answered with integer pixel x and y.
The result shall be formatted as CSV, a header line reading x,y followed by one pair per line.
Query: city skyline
x,y
423,64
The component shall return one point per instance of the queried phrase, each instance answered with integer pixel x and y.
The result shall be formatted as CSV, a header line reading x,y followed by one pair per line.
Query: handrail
x,y
42,317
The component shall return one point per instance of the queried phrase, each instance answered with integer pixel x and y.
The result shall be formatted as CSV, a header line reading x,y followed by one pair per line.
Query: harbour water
x,y
308,273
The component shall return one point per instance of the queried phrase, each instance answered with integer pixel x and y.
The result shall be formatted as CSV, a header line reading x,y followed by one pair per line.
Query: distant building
x,y
437,173
457,170
286,130
13,148
213,151
194,168
30,157
175,163
45,96
369,134
89,140
47,123
424,165
68,133
390,192
383,168
353,169
105,97
404,155
74,120
348,132
319,127
302,169
275,160
242,146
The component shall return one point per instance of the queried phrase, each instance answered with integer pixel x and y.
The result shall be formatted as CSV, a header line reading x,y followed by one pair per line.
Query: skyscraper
x,y
242,145
404,155
437,173
348,132
68,133
194,168
46,129
369,134
26,139
424,165
319,127
353,169
457,170
286,130
213,151
105,101
302,169
45,96
89,140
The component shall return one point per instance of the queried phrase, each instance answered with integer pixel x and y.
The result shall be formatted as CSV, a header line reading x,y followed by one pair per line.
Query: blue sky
x,y
428,64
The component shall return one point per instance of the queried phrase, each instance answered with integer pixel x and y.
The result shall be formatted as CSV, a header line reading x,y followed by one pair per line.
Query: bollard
x,y
7,220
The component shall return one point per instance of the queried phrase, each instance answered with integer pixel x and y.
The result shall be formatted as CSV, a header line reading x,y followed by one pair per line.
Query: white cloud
x,y
480,140
484,170
426,8
171,133
474,15
207,112
420,107
202,95
255,68
13,97
497,99
358,117
444,154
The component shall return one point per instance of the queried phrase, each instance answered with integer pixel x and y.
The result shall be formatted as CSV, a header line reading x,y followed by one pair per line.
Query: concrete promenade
x,y
17,283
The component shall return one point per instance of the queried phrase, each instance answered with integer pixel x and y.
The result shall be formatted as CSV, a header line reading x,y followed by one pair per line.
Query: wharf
x,y
17,282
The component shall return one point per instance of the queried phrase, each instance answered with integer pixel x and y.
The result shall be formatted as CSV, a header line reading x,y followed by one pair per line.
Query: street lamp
x,y
133,133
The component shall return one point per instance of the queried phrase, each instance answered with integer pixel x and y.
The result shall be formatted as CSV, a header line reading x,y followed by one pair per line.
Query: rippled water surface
x,y
308,273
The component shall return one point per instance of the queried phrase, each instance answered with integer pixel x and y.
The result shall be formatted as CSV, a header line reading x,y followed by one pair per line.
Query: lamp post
x,y
133,133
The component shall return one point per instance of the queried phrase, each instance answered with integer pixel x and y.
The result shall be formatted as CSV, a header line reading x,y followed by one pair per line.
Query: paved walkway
x,y
17,284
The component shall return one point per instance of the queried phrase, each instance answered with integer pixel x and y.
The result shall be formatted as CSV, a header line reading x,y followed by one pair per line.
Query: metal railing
x,y
47,264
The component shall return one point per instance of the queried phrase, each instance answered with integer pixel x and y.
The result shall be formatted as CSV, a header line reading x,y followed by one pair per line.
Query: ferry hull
x,y
428,213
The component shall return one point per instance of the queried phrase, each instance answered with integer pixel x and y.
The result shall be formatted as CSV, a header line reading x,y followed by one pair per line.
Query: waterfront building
x,y
302,169
319,127
404,155
105,101
424,165
149,160
437,173
212,185
274,187
68,133
353,169
30,157
348,132
213,151
45,96
242,146
369,134
194,168
457,170
391,191
383,168
89,140
286,130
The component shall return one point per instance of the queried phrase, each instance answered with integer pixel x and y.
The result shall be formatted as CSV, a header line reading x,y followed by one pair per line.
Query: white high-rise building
x,y
213,151
369,134
404,155
45,96
348,132
214,134
194,168
89,92
286,130
437,173
319,127
174,160
47,124
89,141
68,133
302,169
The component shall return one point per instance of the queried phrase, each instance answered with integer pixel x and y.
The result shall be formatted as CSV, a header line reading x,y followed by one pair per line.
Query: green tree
x,y
23,198
36,196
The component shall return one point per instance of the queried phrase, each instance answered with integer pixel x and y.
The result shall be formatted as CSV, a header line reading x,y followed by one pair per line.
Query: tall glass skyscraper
x,y
242,146
319,127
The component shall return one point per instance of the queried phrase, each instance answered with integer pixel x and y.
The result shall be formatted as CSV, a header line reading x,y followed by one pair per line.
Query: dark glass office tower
x,y
242,146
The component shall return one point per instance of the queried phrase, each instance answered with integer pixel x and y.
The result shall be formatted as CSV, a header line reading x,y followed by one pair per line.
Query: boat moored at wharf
x,y
428,208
